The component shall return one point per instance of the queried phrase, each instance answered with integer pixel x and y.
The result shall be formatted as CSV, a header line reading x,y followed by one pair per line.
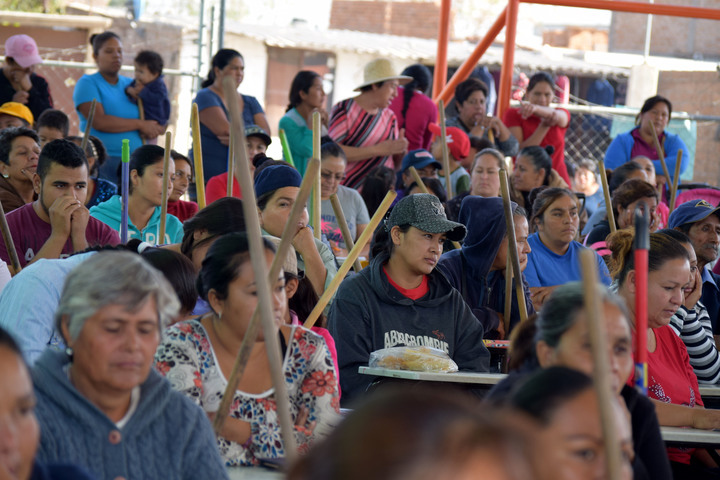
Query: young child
x,y
52,125
149,86
458,146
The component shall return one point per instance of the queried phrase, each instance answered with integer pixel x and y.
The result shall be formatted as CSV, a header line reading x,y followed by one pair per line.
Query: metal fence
x,y
592,128
62,76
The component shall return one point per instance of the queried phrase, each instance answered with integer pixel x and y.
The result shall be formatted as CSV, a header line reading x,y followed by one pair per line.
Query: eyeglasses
x,y
329,176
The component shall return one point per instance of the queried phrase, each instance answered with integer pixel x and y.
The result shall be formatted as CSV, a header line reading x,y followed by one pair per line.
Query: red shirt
x,y
217,188
555,137
671,379
30,232
412,293
642,149
182,209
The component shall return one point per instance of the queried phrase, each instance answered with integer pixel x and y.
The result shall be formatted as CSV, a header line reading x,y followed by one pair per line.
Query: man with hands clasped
x,y
57,223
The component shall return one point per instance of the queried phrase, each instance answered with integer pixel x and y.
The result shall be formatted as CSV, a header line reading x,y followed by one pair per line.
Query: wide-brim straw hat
x,y
381,70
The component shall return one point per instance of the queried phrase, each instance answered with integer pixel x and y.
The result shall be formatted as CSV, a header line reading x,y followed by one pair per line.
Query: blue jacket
x,y
59,472
620,150
167,436
468,269
156,100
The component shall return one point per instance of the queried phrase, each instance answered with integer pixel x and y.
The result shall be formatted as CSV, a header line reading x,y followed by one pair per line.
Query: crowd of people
x,y
114,358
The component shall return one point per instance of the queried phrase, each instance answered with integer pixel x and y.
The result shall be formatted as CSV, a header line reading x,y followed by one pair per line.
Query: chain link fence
x,y
592,129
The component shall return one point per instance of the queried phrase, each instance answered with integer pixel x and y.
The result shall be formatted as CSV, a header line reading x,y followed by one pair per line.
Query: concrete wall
x,y
699,93
412,18
671,36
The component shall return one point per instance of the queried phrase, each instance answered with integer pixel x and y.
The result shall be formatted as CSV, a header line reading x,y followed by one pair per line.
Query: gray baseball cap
x,y
425,212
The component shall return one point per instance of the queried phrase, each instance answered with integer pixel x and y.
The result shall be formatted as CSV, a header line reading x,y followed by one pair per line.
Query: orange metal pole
x,y
636,7
440,75
467,67
506,73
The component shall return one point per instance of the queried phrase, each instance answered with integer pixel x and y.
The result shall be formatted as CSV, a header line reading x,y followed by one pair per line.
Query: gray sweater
x,y
167,437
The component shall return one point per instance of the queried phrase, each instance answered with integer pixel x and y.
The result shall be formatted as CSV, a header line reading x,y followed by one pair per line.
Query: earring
x,y
5,175
69,352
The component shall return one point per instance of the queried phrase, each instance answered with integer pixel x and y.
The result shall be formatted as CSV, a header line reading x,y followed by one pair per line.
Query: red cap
x,y
457,140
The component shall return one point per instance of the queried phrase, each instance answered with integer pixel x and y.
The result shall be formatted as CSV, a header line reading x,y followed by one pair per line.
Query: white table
x,y
254,473
690,437
709,391
457,377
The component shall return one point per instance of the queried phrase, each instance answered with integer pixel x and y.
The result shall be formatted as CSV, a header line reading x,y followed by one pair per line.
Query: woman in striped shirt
x,y
692,321
365,127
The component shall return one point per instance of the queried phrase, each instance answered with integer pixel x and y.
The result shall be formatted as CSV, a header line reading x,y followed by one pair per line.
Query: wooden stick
x,y
491,135
287,153
601,372
418,180
141,110
166,181
254,327
508,291
9,244
445,151
259,265
344,229
606,194
661,155
423,188
512,248
316,198
676,180
352,256
125,190
231,166
88,126
197,156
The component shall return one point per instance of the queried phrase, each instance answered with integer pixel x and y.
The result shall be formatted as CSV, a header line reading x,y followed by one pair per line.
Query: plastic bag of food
x,y
418,359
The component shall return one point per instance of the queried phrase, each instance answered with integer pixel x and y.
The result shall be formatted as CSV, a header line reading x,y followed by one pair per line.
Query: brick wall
x,y
412,19
698,93
577,38
671,36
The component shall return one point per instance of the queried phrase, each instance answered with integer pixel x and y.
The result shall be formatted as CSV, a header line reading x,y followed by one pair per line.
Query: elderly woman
x,y
100,404
365,126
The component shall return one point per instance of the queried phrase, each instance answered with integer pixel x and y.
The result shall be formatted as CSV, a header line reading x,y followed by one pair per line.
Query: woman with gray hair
x,y
100,404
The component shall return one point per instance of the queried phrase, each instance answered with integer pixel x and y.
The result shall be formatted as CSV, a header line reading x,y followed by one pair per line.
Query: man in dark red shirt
x,y
57,223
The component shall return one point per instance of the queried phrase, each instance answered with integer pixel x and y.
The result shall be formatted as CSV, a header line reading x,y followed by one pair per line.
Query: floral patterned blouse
x,y
187,359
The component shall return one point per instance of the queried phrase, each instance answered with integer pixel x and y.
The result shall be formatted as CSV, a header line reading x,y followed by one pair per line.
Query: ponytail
x,y
220,60
421,79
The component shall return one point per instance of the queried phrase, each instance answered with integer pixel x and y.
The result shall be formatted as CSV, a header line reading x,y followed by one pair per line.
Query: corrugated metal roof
x,y
415,49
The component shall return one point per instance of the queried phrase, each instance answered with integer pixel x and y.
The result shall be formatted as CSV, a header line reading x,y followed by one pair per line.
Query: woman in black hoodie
x,y
400,299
